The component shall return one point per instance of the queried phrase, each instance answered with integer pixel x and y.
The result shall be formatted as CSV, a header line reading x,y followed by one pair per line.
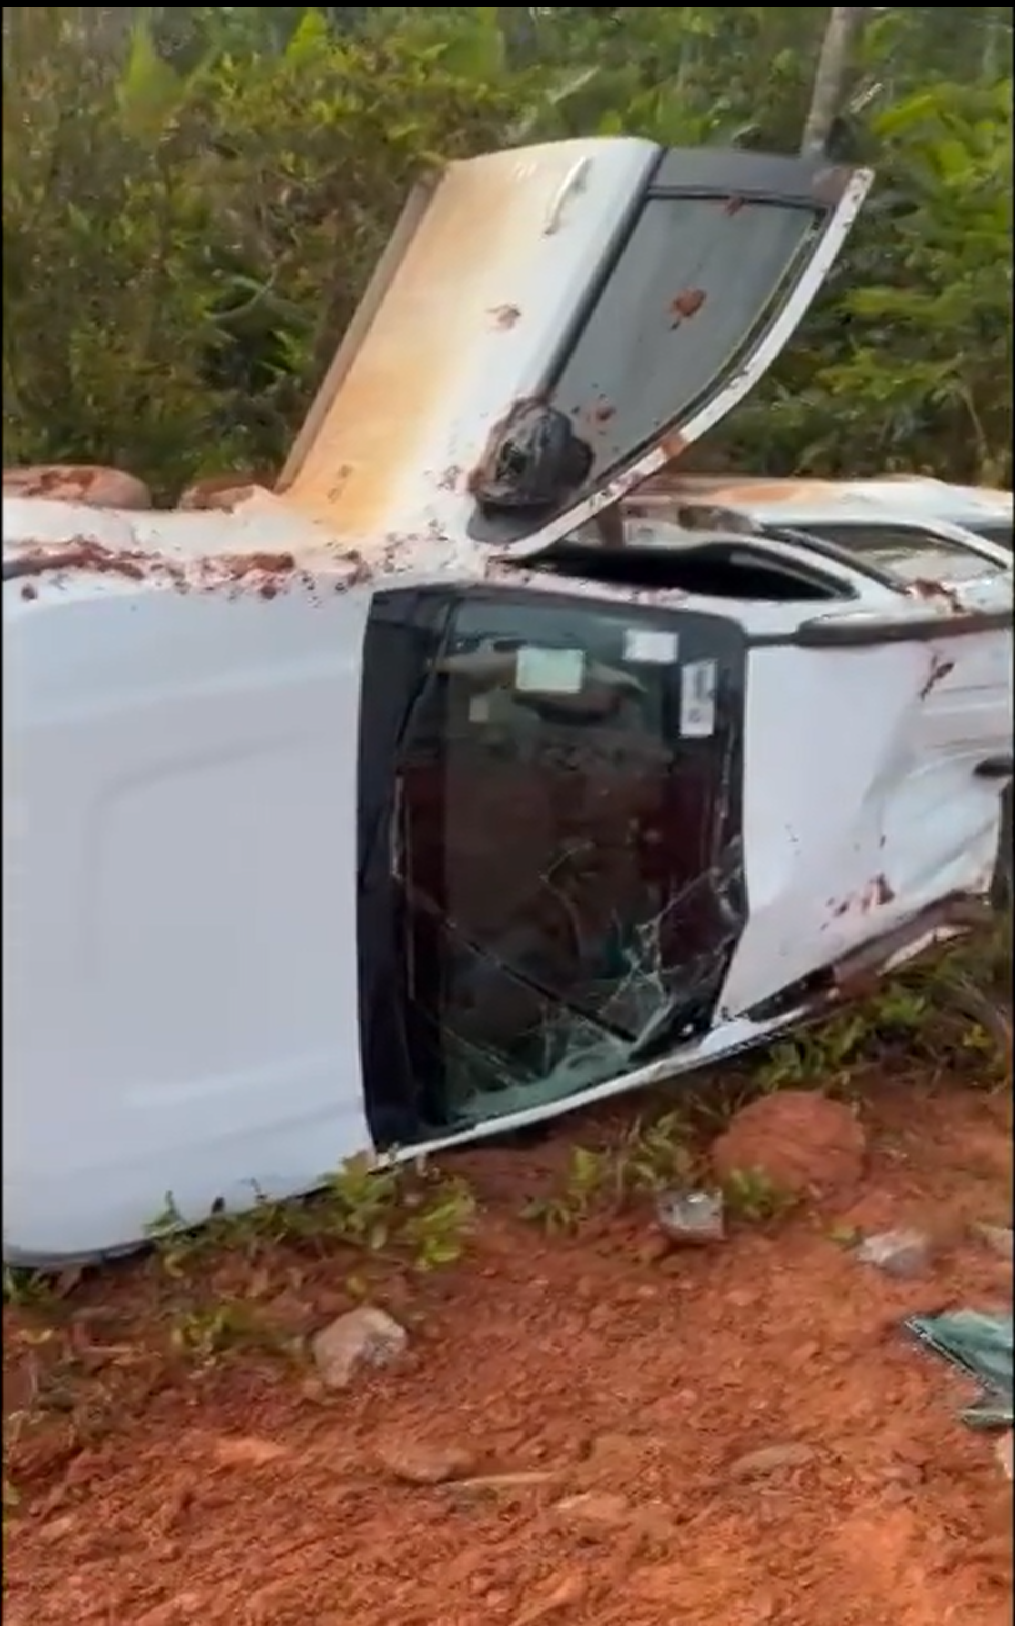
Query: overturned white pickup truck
x,y
430,795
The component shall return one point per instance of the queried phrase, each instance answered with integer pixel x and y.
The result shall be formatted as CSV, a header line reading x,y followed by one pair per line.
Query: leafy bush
x,y
181,250
193,197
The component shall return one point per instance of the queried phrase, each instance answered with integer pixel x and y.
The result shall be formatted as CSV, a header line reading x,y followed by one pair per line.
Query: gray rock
x,y
900,1253
363,1337
694,1217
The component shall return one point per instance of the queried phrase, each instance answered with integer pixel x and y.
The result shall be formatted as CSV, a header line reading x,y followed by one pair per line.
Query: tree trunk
x,y
843,26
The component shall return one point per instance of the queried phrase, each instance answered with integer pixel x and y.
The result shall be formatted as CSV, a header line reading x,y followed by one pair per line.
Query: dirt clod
x,y
998,1238
771,1459
87,483
223,491
799,1141
245,1451
419,1462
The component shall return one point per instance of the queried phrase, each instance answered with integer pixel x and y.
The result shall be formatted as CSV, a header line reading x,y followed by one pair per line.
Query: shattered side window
x,y
558,848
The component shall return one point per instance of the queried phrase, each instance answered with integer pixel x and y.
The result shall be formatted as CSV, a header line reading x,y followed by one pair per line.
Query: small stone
x,y
602,1508
770,1459
565,1591
1003,1449
694,1217
362,1337
594,1512
897,1253
903,1473
998,1238
246,1451
742,1298
56,1530
420,1463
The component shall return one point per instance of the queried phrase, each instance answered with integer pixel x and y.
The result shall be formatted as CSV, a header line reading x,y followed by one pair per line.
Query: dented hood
x,y
550,325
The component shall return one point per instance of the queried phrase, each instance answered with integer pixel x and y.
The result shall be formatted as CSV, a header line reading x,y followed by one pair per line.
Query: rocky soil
x,y
596,1425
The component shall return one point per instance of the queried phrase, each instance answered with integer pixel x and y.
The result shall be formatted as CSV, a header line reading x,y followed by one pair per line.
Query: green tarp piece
x,y
980,1345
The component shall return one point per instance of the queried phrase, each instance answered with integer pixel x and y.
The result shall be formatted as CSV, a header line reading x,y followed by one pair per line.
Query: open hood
x,y
550,326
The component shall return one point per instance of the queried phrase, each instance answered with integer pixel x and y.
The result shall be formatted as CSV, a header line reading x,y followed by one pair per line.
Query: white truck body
x,y
259,764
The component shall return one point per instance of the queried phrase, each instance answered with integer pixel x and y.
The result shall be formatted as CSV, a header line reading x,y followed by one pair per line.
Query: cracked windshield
x,y
555,835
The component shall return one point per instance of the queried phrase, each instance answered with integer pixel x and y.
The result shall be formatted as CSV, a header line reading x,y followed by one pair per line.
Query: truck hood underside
x,y
550,326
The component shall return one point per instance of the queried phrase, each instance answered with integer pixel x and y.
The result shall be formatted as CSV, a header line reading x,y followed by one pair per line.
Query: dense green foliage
x,y
194,195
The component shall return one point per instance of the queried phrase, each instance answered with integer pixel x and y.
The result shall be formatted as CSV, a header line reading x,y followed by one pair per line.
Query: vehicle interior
x,y
716,565
901,553
699,548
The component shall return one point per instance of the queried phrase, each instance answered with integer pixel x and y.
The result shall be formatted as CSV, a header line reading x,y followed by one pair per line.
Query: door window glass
x,y
718,263
559,814
674,316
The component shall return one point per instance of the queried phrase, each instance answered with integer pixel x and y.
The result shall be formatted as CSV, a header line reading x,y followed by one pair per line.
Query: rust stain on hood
x,y
463,317
728,488
404,374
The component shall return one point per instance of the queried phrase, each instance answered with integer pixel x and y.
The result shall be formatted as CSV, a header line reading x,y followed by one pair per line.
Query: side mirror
x,y
534,461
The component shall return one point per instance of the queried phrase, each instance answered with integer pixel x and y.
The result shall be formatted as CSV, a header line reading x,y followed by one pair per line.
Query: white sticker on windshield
x,y
650,646
698,683
550,671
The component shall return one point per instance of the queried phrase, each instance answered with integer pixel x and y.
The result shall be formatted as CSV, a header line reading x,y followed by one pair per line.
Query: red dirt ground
x,y
166,1492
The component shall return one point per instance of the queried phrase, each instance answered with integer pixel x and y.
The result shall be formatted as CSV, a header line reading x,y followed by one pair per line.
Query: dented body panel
x,y
390,810
868,811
